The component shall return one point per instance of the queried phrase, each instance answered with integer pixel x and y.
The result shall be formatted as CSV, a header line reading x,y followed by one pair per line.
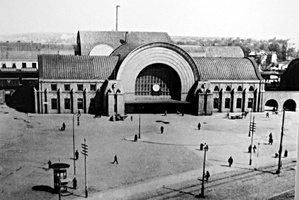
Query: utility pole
x,y
116,28
252,128
280,145
85,153
250,123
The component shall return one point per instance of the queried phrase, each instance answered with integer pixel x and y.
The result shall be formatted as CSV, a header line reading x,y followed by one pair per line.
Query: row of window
x,y
67,87
227,103
67,104
24,65
228,88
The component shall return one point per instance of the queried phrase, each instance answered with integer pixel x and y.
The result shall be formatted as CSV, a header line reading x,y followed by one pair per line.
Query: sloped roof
x,y
87,40
227,69
214,51
76,67
30,50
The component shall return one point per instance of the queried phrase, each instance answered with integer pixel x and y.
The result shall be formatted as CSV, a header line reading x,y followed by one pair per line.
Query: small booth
x,y
60,176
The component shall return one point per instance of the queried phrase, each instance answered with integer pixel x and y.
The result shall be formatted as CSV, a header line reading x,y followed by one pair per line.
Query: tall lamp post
x,y
117,17
139,128
280,145
202,194
74,148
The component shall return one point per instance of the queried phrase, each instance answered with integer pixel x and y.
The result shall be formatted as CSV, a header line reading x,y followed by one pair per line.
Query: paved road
x,y
262,183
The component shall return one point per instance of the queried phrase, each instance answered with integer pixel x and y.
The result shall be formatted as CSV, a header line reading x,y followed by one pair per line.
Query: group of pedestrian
x,y
250,148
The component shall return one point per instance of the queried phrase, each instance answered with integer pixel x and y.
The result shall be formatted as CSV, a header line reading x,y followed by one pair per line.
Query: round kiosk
x,y
60,175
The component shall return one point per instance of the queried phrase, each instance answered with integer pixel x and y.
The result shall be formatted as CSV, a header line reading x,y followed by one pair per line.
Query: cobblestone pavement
x,y
28,142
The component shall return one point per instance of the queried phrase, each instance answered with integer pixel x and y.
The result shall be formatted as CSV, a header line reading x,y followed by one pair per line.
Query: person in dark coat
x,y
230,161
162,129
76,155
74,183
270,138
207,176
115,160
199,126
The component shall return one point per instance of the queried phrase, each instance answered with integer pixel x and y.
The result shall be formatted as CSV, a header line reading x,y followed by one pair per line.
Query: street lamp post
x,y
203,172
74,148
280,145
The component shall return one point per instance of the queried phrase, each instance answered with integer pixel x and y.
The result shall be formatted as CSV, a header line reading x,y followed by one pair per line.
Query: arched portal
x,y
270,104
289,105
158,80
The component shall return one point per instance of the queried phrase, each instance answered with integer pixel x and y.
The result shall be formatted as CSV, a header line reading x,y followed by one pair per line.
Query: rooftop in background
x,y
87,40
214,51
30,50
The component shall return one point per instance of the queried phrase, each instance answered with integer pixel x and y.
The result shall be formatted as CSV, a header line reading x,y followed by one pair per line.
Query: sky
x,y
260,19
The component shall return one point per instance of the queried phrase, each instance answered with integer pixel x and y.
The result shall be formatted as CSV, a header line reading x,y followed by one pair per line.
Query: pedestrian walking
x,y
271,141
76,155
270,138
162,129
285,153
63,127
74,183
115,160
199,126
254,148
207,176
267,115
230,161
131,118
249,149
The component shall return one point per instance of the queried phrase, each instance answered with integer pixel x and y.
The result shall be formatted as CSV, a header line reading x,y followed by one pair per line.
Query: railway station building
x,y
145,72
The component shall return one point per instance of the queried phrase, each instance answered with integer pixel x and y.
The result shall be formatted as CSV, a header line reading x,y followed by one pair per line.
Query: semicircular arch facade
x,y
163,53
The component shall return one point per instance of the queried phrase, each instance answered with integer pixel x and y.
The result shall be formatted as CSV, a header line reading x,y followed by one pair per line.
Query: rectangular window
x,y
34,65
67,104
239,102
23,65
67,87
93,87
80,103
227,103
54,104
250,102
80,87
216,102
53,87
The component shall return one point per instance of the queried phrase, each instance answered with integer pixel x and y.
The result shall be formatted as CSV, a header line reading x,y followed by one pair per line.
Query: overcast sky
x,y
205,18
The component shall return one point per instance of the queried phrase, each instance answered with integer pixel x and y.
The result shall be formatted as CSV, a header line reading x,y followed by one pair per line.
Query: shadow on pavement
x,y
164,122
180,191
44,188
160,143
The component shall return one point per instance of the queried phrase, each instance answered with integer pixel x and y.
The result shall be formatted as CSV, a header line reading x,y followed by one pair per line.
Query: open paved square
x,y
28,142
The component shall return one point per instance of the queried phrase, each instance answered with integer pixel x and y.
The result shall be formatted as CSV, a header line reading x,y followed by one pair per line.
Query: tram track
x,y
193,188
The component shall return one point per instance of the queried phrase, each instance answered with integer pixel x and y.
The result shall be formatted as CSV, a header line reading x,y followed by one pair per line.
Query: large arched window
x,y
251,88
240,88
228,88
158,80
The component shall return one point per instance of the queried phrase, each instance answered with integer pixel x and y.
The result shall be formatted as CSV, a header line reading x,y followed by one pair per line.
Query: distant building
x,y
18,62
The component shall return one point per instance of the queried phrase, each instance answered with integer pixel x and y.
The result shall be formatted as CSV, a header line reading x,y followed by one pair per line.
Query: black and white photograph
x,y
159,99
